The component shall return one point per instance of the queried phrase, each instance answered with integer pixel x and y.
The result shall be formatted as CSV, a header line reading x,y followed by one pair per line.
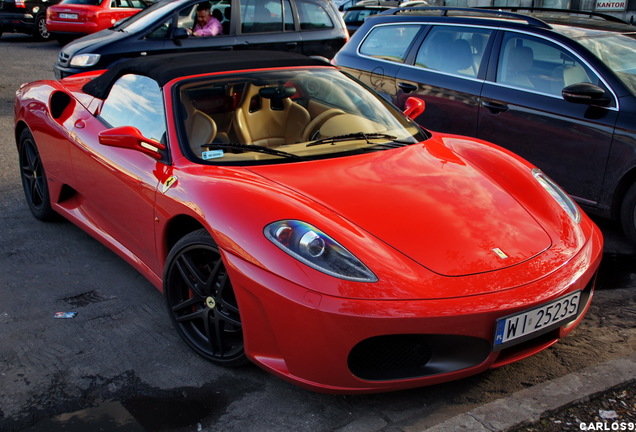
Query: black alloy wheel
x,y
36,190
201,300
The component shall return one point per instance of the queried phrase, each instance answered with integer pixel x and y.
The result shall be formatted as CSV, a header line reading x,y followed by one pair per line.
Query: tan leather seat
x,y
520,60
200,128
267,120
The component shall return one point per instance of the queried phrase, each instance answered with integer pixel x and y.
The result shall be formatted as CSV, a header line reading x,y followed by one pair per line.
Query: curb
x,y
528,405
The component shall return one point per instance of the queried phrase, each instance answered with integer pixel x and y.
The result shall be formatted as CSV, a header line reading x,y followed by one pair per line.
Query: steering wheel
x,y
312,129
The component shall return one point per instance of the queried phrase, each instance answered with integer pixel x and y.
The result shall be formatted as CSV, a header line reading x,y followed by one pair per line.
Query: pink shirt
x,y
212,28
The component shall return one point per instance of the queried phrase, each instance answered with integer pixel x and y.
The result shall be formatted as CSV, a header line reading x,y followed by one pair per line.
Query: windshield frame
x,y
148,17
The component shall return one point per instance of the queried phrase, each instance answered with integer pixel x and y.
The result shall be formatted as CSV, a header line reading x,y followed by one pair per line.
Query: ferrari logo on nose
x,y
501,254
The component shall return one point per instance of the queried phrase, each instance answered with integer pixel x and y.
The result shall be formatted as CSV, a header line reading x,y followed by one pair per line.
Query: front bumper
x,y
340,345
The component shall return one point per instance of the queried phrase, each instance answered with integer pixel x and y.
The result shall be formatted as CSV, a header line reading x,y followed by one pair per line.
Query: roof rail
x,y
564,11
535,22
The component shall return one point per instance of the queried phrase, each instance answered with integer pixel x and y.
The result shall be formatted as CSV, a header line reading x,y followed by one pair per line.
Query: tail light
x,y
20,3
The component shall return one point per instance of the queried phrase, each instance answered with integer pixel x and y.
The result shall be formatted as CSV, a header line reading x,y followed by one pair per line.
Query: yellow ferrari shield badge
x,y
170,181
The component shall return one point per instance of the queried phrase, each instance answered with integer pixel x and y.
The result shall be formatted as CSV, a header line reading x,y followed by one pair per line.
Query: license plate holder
x,y
528,324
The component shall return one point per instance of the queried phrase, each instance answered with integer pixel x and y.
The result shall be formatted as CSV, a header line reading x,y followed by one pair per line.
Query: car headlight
x,y
558,194
85,60
316,249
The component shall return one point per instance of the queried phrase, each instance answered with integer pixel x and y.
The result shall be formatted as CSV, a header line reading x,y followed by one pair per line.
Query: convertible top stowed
x,y
166,67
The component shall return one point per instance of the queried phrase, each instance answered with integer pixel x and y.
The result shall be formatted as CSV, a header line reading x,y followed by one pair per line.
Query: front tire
x,y
628,214
201,300
36,189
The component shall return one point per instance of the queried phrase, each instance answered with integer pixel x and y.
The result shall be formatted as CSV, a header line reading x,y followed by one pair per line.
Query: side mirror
x,y
585,93
131,138
179,33
413,107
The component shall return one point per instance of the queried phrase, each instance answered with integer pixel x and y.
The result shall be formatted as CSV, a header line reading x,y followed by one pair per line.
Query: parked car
x,y
310,27
260,190
73,18
557,88
355,16
25,16
345,5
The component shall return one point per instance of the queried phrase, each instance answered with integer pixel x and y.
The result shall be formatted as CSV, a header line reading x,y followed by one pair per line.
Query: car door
x,y
267,25
524,111
447,72
320,33
117,185
171,35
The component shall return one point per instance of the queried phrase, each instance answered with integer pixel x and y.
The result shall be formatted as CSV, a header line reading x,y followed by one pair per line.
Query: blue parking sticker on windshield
x,y
211,154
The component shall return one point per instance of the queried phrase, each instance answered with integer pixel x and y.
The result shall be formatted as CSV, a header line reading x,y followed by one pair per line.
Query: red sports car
x,y
74,18
295,219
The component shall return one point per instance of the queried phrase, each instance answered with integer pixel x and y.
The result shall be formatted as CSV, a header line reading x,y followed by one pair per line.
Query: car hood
x,y
426,202
93,42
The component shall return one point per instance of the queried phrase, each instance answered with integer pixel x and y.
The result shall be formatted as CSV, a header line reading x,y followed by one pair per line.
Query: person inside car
x,y
206,24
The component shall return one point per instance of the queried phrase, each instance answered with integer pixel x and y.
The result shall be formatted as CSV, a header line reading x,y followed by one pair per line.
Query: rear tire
x,y
628,214
41,31
36,188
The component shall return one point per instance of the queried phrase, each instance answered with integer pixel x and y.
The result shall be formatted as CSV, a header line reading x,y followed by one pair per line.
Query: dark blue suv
x,y
556,87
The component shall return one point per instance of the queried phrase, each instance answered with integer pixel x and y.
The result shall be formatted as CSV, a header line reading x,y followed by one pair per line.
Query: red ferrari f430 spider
x,y
295,219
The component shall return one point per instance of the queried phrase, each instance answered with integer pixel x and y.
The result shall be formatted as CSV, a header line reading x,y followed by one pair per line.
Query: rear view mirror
x,y
131,138
585,93
413,107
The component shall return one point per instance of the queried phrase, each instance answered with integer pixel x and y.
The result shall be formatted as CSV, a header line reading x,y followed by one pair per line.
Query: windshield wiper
x,y
242,148
356,135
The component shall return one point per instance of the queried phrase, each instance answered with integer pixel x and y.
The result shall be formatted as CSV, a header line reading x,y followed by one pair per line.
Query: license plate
x,y
68,16
526,325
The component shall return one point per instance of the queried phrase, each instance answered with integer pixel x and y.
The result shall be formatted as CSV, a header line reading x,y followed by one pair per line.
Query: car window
x,y
121,4
313,16
266,16
389,42
539,65
136,100
82,2
359,15
454,50
617,51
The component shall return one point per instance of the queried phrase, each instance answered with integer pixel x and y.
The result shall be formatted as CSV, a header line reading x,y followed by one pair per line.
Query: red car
x,y
294,218
73,18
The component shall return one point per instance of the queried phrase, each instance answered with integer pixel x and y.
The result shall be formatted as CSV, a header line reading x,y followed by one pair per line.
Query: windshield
x,y
148,17
617,51
288,115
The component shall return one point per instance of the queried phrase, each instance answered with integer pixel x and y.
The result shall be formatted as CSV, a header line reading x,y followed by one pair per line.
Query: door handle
x,y
495,107
406,87
292,44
